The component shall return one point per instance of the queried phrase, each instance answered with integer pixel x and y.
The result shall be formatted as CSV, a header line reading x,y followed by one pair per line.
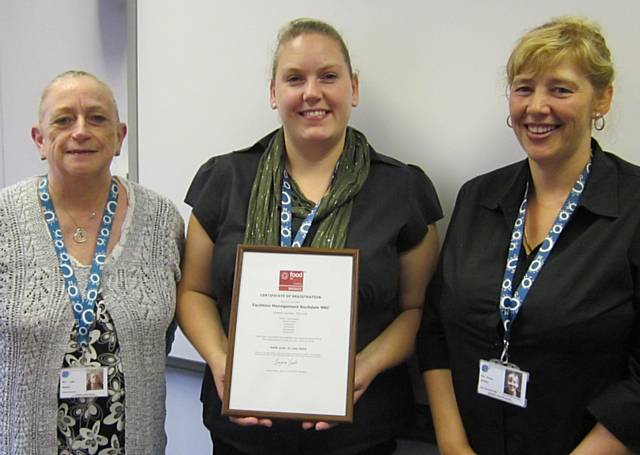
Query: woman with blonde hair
x,y
540,272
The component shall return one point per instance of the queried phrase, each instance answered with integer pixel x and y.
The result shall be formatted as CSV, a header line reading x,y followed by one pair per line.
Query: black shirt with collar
x,y
578,332
390,215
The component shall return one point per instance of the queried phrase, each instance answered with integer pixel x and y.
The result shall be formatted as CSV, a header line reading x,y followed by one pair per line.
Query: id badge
x,y
504,382
83,382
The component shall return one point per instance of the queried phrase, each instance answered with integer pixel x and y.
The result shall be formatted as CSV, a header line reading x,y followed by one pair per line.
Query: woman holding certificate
x,y
533,317
343,194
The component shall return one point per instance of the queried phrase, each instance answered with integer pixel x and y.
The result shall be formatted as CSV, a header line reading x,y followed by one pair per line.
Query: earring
x,y
43,158
273,106
599,122
509,124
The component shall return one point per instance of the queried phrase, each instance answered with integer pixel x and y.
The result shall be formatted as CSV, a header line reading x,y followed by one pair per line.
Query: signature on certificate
x,y
285,362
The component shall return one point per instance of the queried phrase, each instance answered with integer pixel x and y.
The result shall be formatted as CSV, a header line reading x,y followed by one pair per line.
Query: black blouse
x,y
390,216
578,333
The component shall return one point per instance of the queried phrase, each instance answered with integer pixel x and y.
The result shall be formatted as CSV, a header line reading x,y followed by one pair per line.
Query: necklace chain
x,y
79,232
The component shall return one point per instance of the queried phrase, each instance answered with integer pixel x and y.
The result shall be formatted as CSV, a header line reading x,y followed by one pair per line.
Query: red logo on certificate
x,y
291,280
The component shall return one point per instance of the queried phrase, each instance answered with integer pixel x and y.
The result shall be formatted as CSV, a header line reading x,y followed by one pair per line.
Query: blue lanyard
x,y
286,216
510,302
83,308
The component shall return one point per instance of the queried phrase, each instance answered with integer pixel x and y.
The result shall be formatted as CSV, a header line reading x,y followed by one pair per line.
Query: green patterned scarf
x,y
334,213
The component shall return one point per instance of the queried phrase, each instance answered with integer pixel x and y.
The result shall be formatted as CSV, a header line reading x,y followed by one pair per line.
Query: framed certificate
x,y
292,334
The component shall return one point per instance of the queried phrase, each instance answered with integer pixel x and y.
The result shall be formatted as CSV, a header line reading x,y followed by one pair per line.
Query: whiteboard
x,y
432,84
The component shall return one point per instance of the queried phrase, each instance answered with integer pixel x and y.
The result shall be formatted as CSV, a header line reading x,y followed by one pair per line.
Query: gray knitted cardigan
x,y
139,288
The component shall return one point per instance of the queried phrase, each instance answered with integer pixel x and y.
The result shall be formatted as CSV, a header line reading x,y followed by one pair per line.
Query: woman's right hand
x,y
197,312
218,369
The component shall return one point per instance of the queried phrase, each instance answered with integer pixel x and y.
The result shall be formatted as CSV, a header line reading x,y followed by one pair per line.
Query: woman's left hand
x,y
364,375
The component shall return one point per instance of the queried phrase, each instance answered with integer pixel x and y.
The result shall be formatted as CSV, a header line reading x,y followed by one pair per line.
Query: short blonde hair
x,y
305,25
564,38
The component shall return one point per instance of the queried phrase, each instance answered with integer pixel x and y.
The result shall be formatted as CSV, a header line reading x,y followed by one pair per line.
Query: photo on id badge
x,y
95,379
512,382
504,382
83,382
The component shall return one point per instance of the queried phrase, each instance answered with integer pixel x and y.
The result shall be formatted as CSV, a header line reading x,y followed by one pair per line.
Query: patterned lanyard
x,y
511,303
83,308
286,216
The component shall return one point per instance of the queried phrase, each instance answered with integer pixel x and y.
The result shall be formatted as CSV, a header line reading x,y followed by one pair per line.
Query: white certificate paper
x,y
292,334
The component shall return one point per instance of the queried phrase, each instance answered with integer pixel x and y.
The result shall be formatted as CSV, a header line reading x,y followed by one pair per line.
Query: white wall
x,y
40,39
431,72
